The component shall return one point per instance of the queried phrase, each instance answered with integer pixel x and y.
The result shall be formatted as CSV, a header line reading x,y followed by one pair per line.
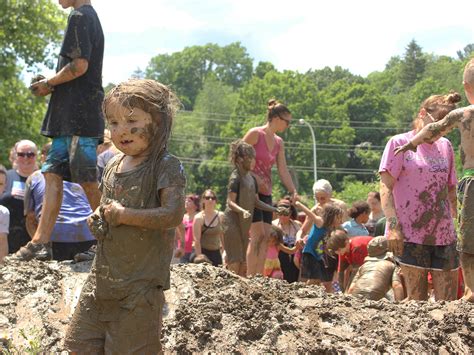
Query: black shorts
x,y
433,257
214,256
323,269
259,215
66,251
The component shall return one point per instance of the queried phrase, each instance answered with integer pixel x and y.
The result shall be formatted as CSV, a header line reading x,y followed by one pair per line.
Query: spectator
x,y
70,234
359,213
269,149
13,196
376,212
185,230
105,152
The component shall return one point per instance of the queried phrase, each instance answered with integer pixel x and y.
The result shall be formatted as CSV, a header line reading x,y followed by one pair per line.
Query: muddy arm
x,y
31,223
169,215
231,202
398,291
263,206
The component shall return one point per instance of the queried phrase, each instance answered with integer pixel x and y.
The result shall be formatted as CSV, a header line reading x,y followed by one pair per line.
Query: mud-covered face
x,y
130,129
3,180
248,162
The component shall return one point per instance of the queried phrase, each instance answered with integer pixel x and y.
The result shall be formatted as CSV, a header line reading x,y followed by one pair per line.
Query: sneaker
x,y
33,251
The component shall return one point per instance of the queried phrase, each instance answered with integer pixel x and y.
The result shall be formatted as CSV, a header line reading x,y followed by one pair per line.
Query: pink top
x,y
188,234
264,160
272,252
421,189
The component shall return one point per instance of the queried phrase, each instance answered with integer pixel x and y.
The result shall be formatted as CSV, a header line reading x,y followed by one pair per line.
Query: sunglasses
x,y
26,154
210,198
284,119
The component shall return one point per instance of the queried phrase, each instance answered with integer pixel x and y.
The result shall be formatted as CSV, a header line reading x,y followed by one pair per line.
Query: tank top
x,y
210,236
264,160
188,234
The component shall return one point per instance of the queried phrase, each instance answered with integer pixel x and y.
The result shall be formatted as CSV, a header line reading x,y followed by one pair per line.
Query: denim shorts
x,y
432,257
73,158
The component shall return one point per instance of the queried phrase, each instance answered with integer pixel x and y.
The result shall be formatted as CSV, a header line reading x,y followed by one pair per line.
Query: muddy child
x,y
120,308
242,199
463,119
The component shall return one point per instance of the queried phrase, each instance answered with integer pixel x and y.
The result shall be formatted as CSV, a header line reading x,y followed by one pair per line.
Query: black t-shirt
x,y
12,199
75,107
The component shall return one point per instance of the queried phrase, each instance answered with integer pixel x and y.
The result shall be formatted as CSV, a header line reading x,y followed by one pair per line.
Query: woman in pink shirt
x,y
418,193
269,150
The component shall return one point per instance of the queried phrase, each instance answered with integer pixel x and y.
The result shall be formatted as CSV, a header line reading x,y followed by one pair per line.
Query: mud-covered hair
x,y
240,149
337,240
277,233
358,208
276,109
438,106
330,213
468,75
152,97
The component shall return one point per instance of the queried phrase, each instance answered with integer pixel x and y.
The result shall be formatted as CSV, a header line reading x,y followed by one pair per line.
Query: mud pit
x,y
211,310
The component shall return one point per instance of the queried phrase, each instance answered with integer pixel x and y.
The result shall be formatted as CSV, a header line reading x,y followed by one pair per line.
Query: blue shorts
x,y
73,158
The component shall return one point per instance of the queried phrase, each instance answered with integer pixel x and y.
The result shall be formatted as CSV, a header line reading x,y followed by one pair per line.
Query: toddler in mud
x,y
120,308
275,245
242,198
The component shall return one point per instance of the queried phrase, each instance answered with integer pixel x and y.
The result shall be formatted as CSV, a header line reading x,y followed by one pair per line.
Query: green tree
x,y
29,34
413,64
467,52
187,70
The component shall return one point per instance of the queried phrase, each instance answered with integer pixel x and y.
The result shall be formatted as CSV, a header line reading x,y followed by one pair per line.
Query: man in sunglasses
x,y
25,152
74,118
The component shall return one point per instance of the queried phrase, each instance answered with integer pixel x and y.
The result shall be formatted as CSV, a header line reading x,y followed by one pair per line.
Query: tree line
x,y
224,93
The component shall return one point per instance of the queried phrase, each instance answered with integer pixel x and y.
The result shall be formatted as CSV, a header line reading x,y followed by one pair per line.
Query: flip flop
x,y
33,251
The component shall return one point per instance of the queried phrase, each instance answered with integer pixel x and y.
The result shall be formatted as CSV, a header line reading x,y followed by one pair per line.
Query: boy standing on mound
x,y
463,118
120,308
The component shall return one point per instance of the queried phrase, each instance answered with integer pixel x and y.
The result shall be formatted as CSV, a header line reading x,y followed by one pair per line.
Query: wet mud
x,y
211,310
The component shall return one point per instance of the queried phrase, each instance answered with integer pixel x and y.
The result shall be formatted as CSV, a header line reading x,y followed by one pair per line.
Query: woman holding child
x,y
269,150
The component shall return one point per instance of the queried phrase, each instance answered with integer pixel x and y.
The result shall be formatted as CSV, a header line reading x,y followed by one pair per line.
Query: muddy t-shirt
x,y
131,260
75,107
421,189
375,278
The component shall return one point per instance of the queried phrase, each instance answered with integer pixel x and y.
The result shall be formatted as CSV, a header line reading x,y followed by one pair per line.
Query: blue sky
x,y
298,35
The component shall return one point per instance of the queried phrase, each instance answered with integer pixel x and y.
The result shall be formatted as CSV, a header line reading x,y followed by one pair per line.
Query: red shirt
x,y
357,252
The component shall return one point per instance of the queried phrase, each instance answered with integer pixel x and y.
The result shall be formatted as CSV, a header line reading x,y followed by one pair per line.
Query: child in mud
x,y
378,274
4,217
462,118
351,252
317,266
120,308
275,245
242,199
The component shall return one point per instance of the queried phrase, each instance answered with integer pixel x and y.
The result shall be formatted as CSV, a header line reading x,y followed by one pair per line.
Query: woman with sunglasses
x,y
207,230
24,165
269,150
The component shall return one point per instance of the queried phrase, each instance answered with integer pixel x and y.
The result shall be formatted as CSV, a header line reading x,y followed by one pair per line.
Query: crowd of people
x,y
118,197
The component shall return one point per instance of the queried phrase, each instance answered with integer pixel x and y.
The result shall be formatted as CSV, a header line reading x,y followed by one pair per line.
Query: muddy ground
x,y
211,310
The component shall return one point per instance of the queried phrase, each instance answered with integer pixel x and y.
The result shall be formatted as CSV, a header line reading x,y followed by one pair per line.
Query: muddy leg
x,y
467,263
257,234
243,269
328,286
53,197
234,267
93,194
445,285
416,282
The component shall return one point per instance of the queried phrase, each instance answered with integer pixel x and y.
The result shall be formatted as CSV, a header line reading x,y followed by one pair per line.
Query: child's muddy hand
x,y
97,226
404,148
112,213
40,87
246,214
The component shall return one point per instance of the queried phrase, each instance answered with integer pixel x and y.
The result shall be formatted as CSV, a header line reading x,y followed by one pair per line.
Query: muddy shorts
x,y
121,331
265,216
73,158
466,213
432,257
314,269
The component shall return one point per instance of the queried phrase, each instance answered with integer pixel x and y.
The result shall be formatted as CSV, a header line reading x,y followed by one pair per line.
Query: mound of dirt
x,y
211,310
